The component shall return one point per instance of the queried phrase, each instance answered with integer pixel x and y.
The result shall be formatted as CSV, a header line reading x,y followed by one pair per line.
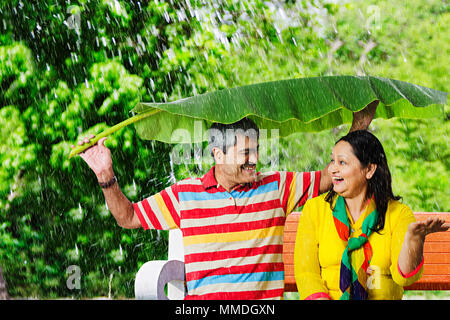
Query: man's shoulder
x,y
283,175
190,180
261,176
186,184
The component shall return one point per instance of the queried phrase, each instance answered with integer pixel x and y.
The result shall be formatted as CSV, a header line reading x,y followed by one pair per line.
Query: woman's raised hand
x,y
430,225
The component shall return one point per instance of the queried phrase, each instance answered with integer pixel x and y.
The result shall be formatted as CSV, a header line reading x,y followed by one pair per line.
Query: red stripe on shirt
x,y
317,183
306,185
240,295
150,214
191,188
169,205
199,213
266,180
289,178
234,227
141,218
201,188
228,254
175,190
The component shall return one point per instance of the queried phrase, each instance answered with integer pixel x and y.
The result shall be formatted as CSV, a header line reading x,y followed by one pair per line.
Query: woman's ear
x,y
371,168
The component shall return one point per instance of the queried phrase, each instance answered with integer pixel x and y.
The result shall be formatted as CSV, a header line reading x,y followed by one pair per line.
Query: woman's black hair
x,y
368,149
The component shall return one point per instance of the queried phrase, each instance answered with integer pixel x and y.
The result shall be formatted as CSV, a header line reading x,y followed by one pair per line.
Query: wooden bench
x,y
153,276
436,273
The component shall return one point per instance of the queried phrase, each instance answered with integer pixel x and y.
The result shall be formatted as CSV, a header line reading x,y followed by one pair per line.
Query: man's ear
x,y
218,155
371,168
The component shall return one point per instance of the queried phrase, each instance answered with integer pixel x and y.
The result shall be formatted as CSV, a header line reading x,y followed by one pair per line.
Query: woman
x,y
358,241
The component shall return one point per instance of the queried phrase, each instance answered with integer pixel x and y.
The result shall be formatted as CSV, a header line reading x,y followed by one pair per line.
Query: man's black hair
x,y
223,136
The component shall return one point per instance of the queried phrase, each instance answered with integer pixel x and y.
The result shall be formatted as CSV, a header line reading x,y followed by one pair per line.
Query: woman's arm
x,y
411,254
407,242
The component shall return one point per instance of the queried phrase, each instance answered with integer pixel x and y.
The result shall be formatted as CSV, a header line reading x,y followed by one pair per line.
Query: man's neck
x,y
223,181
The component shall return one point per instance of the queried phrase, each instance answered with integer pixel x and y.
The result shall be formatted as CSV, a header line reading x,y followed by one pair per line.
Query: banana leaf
x,y
304,104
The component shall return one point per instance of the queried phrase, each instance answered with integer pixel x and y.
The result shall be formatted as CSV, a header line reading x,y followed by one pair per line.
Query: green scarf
x,y
358,252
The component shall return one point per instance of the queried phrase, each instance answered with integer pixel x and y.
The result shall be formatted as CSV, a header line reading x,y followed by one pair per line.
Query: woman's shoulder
x,y
397,207
319,200
315,210
317,203
398,211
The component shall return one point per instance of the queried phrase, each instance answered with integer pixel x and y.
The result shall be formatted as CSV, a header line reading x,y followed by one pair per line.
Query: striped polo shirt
x,y
233,241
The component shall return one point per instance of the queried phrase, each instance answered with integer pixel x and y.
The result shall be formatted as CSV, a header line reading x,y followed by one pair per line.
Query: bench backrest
x,y
436,274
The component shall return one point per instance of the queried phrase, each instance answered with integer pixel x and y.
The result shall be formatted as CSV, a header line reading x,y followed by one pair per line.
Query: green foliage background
x,y
69,68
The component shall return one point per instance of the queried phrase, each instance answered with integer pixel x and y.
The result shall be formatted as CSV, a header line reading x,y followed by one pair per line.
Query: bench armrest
x,y
153,276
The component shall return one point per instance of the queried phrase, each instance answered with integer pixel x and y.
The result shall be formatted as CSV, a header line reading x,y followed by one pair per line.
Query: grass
x,y
426,295
408,295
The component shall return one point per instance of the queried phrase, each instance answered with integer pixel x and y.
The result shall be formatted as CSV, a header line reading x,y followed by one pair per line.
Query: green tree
x,y
73,68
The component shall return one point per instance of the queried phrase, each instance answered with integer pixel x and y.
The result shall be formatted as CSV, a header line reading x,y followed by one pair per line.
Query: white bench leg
x,y
153,276
175,288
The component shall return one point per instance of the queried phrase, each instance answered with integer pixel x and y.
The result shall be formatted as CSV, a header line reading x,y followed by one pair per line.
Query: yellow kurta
x,y
318,252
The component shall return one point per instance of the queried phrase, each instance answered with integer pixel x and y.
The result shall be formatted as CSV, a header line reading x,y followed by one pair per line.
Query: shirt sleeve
x,y
306,257
297,187
398,236
160,211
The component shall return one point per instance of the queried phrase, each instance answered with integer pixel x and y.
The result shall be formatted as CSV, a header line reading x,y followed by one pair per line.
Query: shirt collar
x,y
209,180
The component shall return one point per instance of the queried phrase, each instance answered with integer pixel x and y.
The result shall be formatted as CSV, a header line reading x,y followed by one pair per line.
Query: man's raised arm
x,y
98,158
363,118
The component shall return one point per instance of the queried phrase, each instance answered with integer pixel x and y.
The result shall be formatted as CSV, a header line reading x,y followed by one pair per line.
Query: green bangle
x,y
108,184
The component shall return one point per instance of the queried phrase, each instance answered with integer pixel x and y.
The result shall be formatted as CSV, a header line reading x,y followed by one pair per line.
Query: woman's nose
x,y
332,168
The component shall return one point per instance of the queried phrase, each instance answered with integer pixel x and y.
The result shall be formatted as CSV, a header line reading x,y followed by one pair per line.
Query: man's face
x,y
239,163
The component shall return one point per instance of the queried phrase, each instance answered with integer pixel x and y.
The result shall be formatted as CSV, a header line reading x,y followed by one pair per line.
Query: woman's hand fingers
x,y
435,224
430,225
440,226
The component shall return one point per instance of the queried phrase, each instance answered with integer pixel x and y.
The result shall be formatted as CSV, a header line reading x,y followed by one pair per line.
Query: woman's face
x,y
348,176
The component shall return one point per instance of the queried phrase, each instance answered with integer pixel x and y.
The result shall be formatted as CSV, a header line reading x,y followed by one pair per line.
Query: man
x,y
232,218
